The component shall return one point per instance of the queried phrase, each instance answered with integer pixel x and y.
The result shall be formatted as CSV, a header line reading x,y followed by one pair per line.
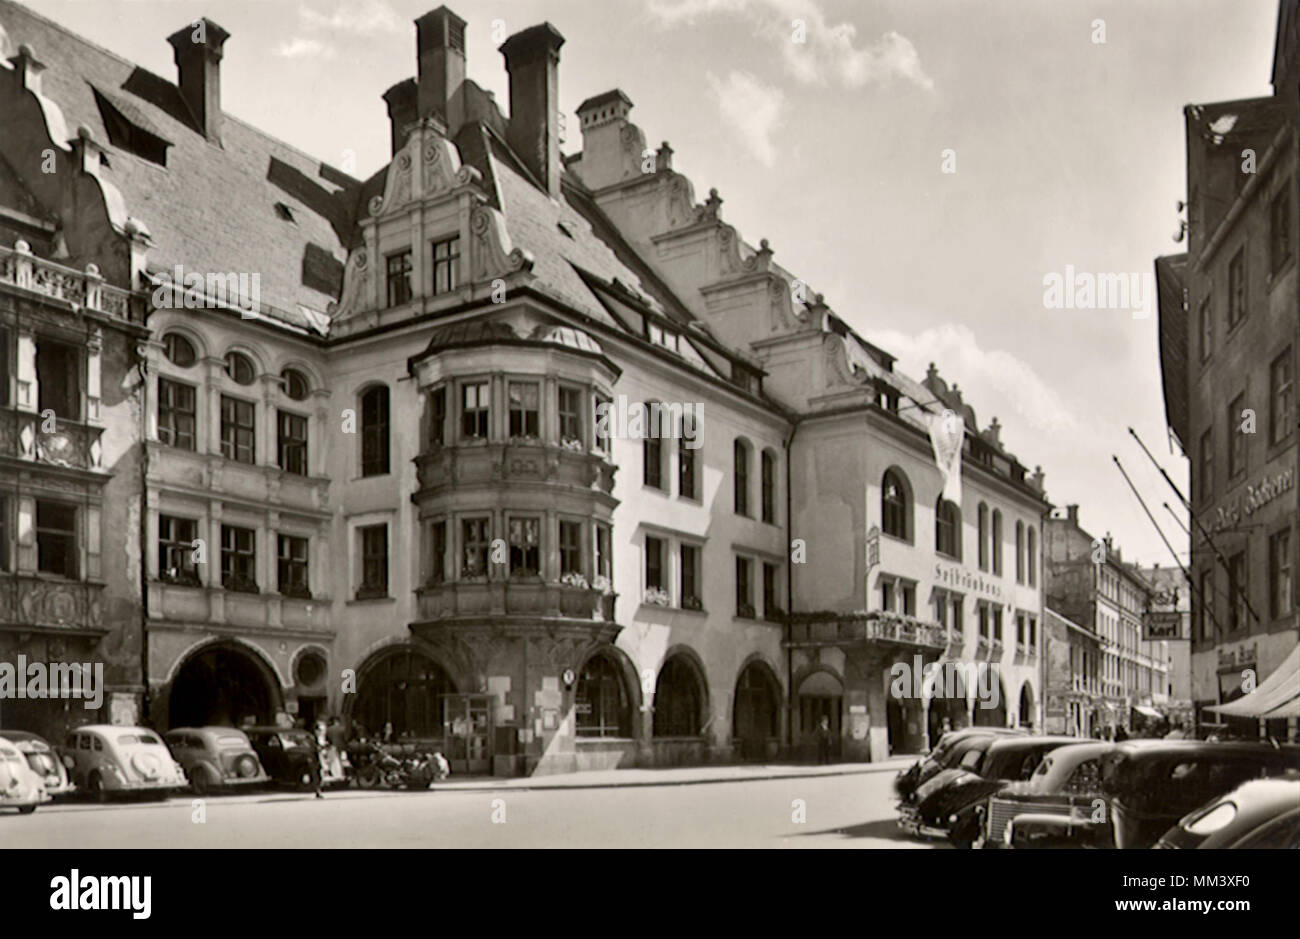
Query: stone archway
x,y
1026,709
225,684
990,705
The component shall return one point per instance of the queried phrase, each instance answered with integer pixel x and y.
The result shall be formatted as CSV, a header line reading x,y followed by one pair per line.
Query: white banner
x,y
947,433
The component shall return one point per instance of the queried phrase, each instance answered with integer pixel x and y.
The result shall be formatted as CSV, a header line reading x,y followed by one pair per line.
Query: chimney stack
x,y
403,103
603,119
1072,512
440,50
198,51
533,60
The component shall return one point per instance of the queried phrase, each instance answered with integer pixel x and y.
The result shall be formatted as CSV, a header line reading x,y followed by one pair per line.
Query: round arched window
x,y
179,350
311,668
296,385
601,700
240,368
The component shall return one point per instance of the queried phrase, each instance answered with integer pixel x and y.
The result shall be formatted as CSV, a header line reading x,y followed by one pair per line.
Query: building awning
x,y
1148,712
1290,709
1276,691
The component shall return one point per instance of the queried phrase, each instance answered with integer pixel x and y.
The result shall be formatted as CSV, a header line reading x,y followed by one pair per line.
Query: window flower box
x,y
601,583
655,596
574,444
692,603
575,579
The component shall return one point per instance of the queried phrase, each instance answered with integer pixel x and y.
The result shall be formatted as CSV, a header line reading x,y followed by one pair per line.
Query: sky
x,y
924,164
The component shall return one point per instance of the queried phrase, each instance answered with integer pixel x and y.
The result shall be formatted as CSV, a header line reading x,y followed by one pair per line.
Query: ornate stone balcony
x,y
519,461
70,444
42,604
530,598
830,628
80,289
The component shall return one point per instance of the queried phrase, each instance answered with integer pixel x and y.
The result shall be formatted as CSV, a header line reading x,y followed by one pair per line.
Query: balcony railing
x,y
870,626
514,598
516,461
68,443
33,601
82,289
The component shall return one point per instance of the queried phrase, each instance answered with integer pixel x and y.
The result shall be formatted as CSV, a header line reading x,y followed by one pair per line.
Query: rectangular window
x,y
446,257
56,538
570,410
475,407
291,575
744,589
525,546
524,408
4,367
1279,574
374,431
238,559
686,470
237,430
1280,228
438,416
603,423
768,465
1236,438
1205,485
997,623
374,562
437,552
652,452
604,559
984,621
399,278
58,375
571,548
654,563
176,537
475,539
908,594
291,453
771,592
1237,586
176,414
1237,288
691,599
887,595
4,532
1281,398
1207,328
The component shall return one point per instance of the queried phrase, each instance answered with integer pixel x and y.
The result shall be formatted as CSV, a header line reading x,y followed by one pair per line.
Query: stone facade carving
x,y
494,255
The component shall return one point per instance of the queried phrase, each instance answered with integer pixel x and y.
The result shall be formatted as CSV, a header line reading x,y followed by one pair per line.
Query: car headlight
x,y
69,762
952,819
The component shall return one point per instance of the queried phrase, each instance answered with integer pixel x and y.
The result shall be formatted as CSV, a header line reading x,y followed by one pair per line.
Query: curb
x,y
506,787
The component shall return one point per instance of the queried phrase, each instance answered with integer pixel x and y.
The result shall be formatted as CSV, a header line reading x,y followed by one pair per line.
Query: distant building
x,y
1072,693
1171,591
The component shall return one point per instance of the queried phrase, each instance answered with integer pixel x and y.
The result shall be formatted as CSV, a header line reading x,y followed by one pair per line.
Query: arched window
x,y
947,528
740,478
240,368
179,350
1031,555
1020,552
296,385
754,717
894,508
404,689
374,431
677,700
997,541
602,700
983,524
769,486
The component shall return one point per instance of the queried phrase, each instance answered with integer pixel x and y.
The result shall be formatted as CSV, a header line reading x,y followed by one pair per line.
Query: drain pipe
x,y
789,596
142,365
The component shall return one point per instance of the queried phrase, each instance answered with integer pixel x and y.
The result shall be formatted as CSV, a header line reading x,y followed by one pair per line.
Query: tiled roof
x,y
211,208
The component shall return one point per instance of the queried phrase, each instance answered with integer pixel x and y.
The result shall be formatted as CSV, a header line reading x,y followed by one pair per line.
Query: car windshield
x,y
146,739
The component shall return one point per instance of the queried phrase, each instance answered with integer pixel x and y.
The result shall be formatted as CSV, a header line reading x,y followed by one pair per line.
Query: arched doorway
x,y
821,697
947,702
1026,711
403,688
223,684
601,702
755,729
990,699
678,699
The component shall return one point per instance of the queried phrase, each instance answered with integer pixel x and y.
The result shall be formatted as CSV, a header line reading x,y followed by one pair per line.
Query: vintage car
x,y
43,760
945,806
1262,813
105,758
20,787
287,753
215,757
1148,786
1067,783
951,747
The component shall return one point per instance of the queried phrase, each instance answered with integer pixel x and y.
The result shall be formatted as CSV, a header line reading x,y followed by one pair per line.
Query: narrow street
x,y
848,809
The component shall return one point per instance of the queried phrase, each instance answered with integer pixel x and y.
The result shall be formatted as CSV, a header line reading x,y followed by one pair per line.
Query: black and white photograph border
x,y
411,451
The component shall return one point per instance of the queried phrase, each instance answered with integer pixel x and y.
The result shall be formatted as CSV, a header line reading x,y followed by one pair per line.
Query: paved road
x,y
842,811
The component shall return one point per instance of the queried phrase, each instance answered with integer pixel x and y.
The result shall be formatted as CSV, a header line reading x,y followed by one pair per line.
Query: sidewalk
x,y
675,776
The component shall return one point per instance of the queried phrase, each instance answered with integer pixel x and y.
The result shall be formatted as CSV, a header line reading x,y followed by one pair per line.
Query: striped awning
x,y
1279,690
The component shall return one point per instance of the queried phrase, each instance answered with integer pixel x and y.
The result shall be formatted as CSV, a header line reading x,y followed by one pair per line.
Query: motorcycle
x,y
374,767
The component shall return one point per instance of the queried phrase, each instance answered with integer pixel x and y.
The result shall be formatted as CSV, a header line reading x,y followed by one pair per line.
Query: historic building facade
x,y
1230,342
1072,693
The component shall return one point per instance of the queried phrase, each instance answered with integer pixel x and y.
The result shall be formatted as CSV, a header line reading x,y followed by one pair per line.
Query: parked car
x,y
43,759
1262,813
1067,783
287,754
951,747
1148,786
946,805
105,758
20,786
215,757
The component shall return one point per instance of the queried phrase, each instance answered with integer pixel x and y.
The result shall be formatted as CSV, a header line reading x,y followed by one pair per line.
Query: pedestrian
x,y
824,740
317,762
335,734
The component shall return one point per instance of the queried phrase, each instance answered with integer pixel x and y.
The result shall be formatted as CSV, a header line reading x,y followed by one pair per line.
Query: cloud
x,y
302,48
751,108
813,50
355,16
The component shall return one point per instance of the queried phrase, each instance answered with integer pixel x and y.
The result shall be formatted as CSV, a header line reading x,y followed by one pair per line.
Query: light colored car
x,y
43,760
215,757
104,758
20,788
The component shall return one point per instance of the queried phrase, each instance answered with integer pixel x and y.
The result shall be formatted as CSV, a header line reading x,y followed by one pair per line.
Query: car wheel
x,y
963,836
246,766
368,777
95,786
26,809
199,781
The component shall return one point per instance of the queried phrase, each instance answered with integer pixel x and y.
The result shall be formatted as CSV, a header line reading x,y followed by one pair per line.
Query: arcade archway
x,y
223,684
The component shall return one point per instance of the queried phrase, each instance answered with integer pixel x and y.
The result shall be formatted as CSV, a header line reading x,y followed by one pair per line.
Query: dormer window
x,y
662,337
399,278
446,256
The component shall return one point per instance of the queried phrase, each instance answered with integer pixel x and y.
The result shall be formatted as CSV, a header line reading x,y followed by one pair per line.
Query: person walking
x,y
316,763
824,740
